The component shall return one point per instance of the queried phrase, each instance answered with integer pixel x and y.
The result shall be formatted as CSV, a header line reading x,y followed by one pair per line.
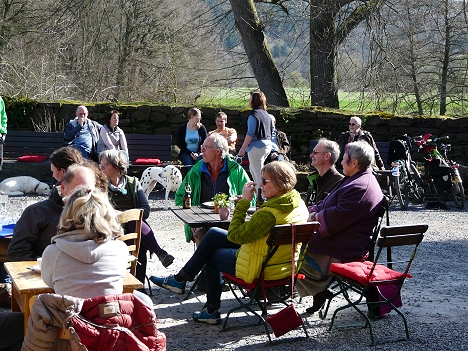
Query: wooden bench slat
x,y
20,143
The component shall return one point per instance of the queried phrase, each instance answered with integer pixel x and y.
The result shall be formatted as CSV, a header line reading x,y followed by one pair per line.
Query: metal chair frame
x,y
383,214
254,294
389,237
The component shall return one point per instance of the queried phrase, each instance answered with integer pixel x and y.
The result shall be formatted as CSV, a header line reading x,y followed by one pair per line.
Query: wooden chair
x,y
358,279
134,237
251,296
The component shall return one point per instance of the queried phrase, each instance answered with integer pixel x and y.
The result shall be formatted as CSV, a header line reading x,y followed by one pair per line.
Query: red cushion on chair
x,y
359,271
147,161
33,158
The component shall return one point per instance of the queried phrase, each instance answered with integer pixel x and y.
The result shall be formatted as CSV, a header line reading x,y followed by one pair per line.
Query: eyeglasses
x,y
318,152
265,181
352,124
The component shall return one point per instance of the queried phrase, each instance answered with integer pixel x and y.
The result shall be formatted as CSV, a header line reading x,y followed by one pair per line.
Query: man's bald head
x,y
77,175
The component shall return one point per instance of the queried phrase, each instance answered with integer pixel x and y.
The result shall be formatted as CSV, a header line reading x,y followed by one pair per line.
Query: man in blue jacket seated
x,y
83,134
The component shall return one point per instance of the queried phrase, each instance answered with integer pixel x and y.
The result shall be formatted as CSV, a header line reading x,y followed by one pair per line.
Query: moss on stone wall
x,y
301,124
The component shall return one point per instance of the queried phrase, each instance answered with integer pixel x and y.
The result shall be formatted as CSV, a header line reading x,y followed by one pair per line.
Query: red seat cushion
x,y
33,158
359,271
147,161
245,162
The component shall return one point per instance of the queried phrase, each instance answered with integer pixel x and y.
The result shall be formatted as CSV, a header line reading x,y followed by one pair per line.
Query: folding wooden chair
x,y
252,296
363,277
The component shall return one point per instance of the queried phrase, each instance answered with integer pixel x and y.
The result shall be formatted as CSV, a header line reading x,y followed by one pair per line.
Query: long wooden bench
x,y
20,143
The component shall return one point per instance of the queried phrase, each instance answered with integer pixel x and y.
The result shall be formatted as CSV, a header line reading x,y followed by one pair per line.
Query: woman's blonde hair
x,y
193,112
281,174
91,211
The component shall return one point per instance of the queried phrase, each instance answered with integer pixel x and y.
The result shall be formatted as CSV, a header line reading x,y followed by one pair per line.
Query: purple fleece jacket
x,y
347,217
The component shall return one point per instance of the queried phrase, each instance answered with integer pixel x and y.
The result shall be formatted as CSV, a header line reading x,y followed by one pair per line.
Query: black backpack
x,y
440,174
397,150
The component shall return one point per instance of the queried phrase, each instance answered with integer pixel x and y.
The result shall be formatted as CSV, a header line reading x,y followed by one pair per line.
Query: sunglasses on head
x,y
265,181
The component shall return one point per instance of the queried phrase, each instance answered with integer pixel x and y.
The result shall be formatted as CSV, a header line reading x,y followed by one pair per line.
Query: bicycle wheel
x,y
401,189
458,194
416,185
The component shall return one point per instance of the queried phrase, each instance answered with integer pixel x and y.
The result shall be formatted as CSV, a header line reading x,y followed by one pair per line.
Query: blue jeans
x,y
219,255
186,159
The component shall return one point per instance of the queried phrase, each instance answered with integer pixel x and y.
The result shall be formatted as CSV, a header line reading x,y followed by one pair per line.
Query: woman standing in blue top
x,y
257,141
190,137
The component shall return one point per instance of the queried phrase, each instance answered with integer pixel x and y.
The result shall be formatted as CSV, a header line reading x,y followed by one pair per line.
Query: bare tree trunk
x,y
258,53
445,61
323,53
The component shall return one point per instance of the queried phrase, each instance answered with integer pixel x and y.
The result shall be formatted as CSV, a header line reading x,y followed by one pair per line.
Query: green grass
x,y
237,98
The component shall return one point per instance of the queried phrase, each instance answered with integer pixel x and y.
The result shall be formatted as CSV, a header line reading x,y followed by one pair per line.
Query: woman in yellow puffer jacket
x,y
241,250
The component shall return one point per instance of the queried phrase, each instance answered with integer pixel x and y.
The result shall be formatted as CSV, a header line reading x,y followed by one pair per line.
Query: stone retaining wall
x,y
301,125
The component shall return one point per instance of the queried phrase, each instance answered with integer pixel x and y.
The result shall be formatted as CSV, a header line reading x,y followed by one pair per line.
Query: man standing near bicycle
x,y
355,133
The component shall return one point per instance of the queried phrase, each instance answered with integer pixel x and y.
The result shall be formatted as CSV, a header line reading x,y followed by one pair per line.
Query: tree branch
x,y
356,17
279,3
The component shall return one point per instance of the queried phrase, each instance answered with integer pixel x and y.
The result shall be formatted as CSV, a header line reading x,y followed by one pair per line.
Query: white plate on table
x,y
208,204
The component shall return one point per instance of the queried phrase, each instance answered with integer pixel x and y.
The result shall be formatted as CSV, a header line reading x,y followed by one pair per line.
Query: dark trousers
x,y
219,255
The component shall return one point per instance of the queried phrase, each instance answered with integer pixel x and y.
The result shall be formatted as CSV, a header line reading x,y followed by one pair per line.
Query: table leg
x,y
20,303
26,310
15,298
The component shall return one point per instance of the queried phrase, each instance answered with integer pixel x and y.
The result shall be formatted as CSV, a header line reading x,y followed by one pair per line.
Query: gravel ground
x,y
434,301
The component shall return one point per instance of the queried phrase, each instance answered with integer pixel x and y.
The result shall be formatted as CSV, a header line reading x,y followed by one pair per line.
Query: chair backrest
x,y
404,235
401,235
282,235
134,237
383,213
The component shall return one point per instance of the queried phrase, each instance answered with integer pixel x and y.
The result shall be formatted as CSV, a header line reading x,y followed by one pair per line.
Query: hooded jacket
x,y
76,265
252,235
114,322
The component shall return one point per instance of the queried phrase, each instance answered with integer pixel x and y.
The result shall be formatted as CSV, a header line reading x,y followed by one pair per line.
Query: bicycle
x,y
442,175
407,181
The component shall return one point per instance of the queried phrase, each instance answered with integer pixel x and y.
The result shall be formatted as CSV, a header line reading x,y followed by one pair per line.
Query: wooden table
x,y
27,283
200,216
